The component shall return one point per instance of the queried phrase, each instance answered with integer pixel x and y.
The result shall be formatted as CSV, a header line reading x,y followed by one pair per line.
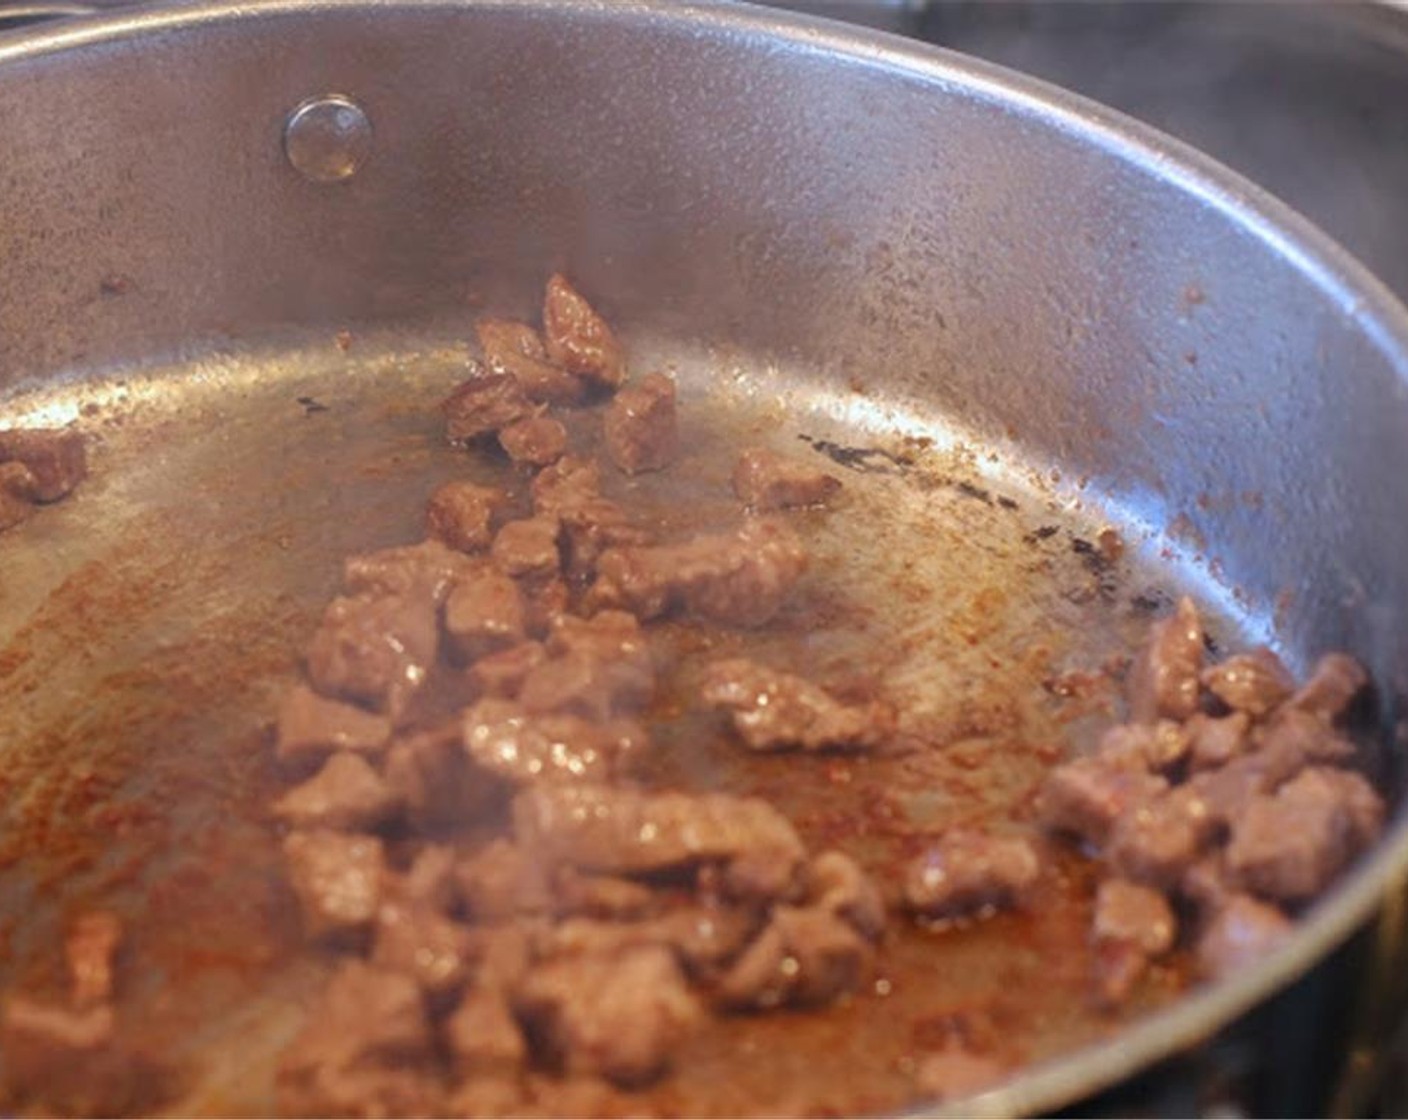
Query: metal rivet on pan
x,y
328,138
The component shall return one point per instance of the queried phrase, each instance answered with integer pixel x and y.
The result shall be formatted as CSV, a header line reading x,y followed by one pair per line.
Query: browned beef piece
x,y
640,427
483,1037
529,548
1214,741
620,1016
430,880
805,956
503,673
1334,683
417,941
835,883
969,871
337,877
1254,682
517,349
956,1072
461,513
1156,841
375,650
503,739
484,405
1242,932
90,949
765,480
578,339
1153,746
1086,796
1163,681
1206,883
772,710
568,482
15,482
738,579
432,777
625,831
536,441
503,953
430,569
706,938
600,667
56,460
363,1051
67,1061
502,881
600,896
311,726
1132,926
346,794
1288,846
484,615
570,491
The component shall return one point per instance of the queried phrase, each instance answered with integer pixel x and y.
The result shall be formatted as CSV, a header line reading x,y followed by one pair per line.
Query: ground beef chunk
x,y
417,941
955,1072
461,513
376,650
1334,683
640,427
578,339
337,878
503,673
345,794
503,954
1086,796
506,741
517,349
1254,682
968,871
706,938
90,949
773,710
1214,742
363,1051
528,549
1157,840
536,441
738,579
806,956
620,1016
484,405
55,459
502,881
765,480
1132,926
1242,932
1289,845
311,726
483,1037
433,779
427,570
623,831
568,482
484,615
1163,681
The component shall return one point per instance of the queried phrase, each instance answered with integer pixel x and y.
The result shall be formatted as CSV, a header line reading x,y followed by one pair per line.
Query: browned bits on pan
x,y
37,465
578,339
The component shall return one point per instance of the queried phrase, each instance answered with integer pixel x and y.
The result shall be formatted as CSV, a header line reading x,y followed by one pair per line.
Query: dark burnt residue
x,y
1152,600
866,460
312,405
1041,533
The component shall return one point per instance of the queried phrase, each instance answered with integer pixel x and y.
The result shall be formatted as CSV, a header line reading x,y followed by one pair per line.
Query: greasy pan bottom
x,y
148,624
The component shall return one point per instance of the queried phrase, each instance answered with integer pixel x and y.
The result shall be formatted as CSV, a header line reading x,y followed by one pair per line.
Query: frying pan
x,y
242,248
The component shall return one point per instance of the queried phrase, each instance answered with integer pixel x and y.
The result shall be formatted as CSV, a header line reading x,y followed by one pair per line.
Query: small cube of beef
x,y
433,779
1242,932
1155,841
1216,741
337,878
346,794
503,739
419,942
376,650
765,480
1289,845
1138,915
578,339
90,949
461,513
640,427
311,726
502,881
772,710
483,405
1088,795
517,350
544,601
1163,681
1254,682
1334,683
528,548
568,482
503,673
484,615
429,883
536,441
620,1016
585,685
570,491
804,956
836,884
1153,746
967,871
55,459
483,1037
427,570
600,896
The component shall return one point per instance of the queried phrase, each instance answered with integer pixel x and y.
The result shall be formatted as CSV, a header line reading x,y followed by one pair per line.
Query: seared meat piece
x,y
621,1016
568,482
432,777
55,459
484,615
1290,845
503,673
640,428
460,514
1215,742
805,956
578,339
502,881
506,741
89,948
1254,682
765,480
417,941
738,579
529,548
310,726
337,877
1156,841
375,650
600,896
516,349
570,491
1334,683
15,482
970,871
363,1051
1157,746
429,883
536,441
346,794
1088,795
623,831
1163,681
1242,932
484,405
600,666
483,1036
1132,926
836,884
429,569
772,710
